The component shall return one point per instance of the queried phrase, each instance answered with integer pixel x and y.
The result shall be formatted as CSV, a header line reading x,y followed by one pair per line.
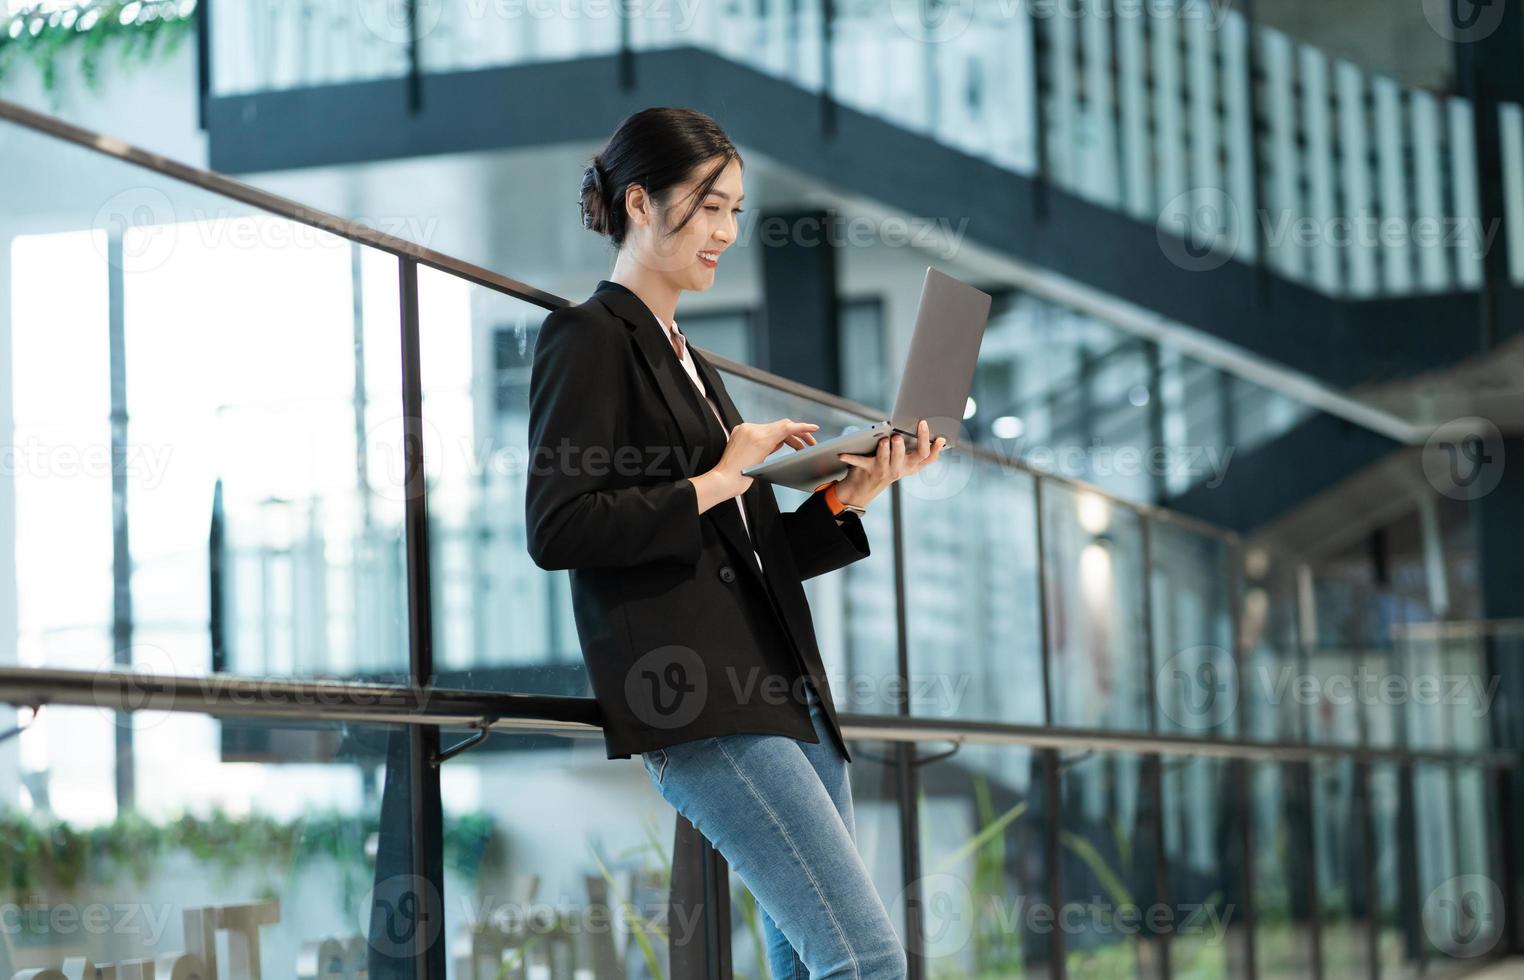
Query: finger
x,y
852,460
923,440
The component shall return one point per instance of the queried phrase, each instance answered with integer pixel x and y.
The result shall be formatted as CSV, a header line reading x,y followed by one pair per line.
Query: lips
x,y
710,259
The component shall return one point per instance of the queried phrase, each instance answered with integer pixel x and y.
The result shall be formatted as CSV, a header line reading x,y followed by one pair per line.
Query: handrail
x,y
354,231
216,183
457,710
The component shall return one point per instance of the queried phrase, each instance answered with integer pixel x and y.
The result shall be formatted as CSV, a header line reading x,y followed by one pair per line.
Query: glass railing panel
x,y
1114,922
1268,630
1283,919
194,835
1436,817
208,400
1195,666
500,623
1446,695
258,47
1472,923
579,884
973,614
1093,561
1398,939
985,905
1338,844
1077,396
1206,879
462,35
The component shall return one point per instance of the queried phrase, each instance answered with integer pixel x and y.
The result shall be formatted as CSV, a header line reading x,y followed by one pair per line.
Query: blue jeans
x,y
780,811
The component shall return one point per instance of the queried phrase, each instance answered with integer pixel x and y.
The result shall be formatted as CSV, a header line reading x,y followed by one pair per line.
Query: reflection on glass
x,y
1282,888
1195,665
972,594
1205,861
207,399
984,864
1268,627
1115,924
1398,935
1094,569
231,848
1339,844
579,882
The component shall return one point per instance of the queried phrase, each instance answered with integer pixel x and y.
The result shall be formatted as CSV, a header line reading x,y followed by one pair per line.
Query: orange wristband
x,y
832,500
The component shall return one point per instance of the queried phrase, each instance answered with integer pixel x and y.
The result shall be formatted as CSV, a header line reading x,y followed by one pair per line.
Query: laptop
x,y
934,386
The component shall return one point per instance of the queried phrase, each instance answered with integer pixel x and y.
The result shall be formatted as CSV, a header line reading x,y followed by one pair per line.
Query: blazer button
x,y
727,574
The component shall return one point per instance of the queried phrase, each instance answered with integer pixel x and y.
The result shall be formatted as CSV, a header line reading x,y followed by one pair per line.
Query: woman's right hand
x,y
750,443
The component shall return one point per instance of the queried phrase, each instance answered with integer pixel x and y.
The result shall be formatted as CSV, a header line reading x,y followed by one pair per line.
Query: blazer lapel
x,y
695,421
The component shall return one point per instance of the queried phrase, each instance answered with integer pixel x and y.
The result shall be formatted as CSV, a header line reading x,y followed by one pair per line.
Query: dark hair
x,y
656,148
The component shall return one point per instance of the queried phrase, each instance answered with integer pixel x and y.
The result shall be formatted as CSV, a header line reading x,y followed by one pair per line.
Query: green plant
x,y
637,926
54,854
139,31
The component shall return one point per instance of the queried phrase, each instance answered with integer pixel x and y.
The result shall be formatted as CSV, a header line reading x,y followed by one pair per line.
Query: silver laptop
x,y
934,386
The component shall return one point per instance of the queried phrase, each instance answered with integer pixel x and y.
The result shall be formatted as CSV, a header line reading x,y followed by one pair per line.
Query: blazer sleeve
x,y
819,544
575,517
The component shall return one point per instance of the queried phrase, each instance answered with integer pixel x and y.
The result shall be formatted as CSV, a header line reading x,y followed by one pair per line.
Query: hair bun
x,y
593,200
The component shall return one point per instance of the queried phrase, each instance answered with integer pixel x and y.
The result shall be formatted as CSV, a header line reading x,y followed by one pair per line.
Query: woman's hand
x,y
752,442
871,474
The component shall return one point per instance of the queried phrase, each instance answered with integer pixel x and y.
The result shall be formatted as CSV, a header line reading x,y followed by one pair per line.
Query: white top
x,y
687,362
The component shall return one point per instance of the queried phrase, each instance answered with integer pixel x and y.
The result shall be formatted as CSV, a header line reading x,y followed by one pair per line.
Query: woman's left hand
x,y
871,474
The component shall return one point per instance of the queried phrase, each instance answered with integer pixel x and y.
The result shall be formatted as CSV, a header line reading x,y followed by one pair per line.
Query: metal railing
x,y
428,710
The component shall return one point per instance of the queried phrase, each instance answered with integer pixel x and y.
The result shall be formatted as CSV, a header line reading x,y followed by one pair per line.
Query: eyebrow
x,y
727,196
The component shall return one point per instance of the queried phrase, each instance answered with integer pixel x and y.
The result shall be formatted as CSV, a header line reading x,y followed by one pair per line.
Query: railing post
x,y
425,807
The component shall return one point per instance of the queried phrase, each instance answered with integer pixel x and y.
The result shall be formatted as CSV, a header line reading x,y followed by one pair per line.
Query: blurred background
x,y
1199,657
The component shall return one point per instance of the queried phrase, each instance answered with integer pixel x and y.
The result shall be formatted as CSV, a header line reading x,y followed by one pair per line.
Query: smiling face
x,y
689,257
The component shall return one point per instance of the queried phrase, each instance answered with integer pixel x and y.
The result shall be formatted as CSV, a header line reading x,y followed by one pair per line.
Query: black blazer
x,y
683,635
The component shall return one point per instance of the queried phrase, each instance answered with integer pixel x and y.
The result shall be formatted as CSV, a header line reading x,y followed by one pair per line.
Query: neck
x,y
658,295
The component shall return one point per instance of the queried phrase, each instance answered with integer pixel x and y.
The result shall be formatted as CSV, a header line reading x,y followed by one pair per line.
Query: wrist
x,y
849,496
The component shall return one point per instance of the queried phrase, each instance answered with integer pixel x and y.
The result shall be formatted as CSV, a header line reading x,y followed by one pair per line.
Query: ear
x,y
637,204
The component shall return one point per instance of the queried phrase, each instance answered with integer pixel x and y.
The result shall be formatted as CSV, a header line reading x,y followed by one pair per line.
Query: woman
x,y
686,579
